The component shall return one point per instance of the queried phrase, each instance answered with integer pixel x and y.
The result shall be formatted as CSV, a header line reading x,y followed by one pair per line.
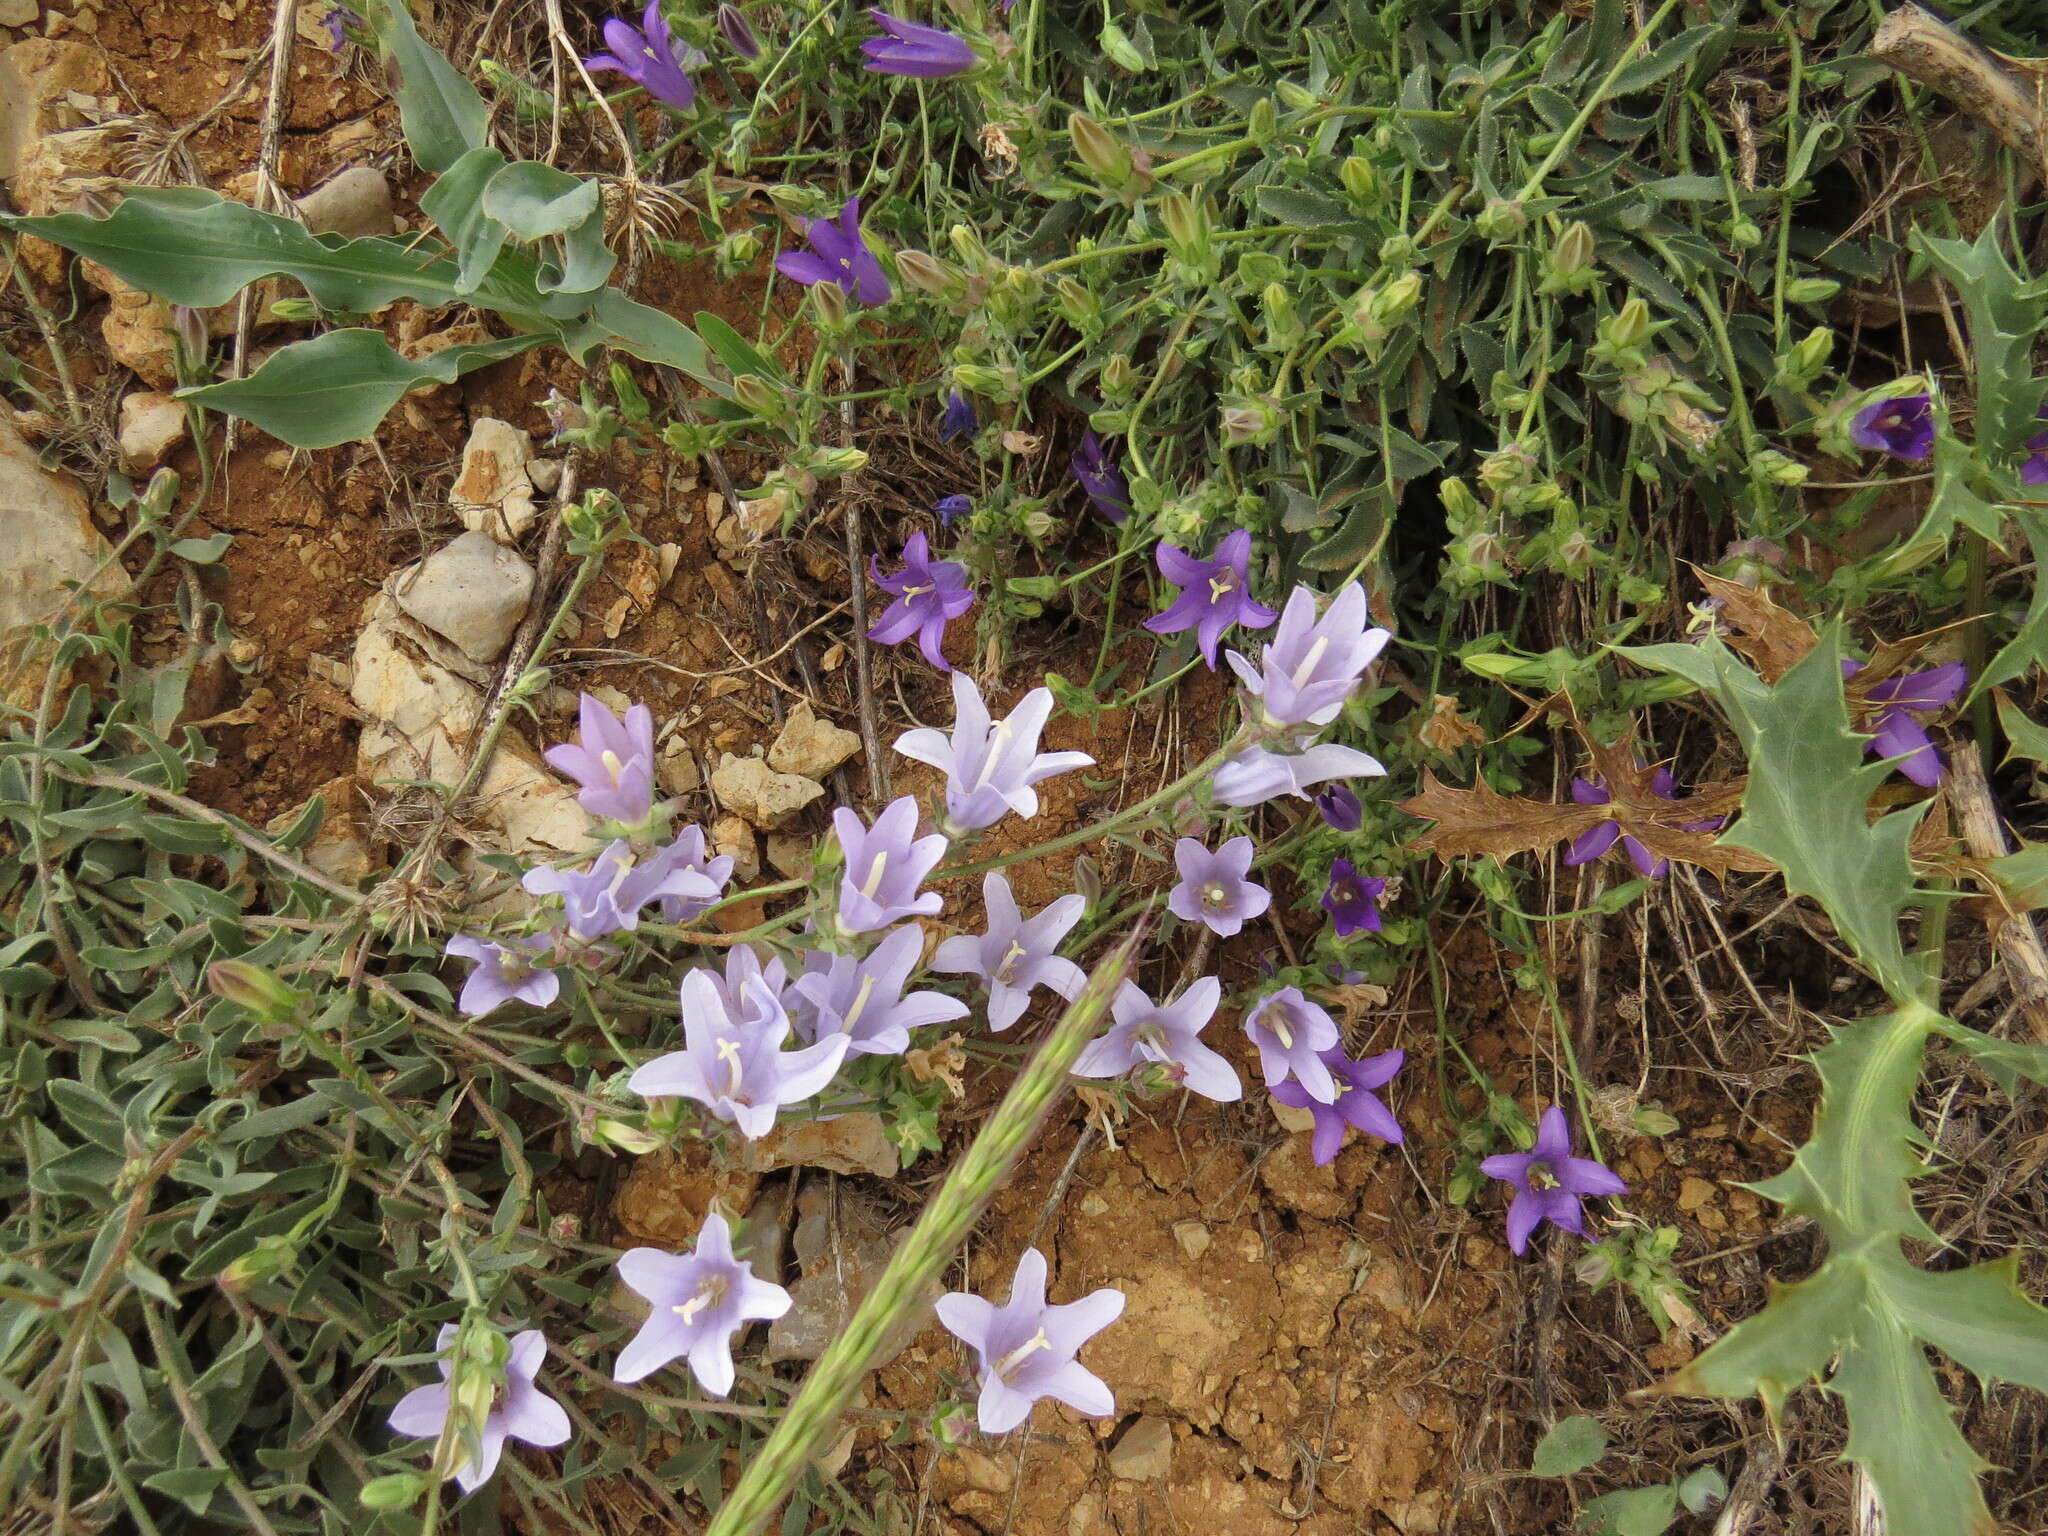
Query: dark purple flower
x,y
1898,734
1216,888
1595,841
1902,426
1549,1182
519,1410
1340,807
1215,593
929,593
1356,1105
738,32
959,420
839,255
646,55
613,761
925,53
338,21
1353,900
1025,1349
504,973
1101,479
950,507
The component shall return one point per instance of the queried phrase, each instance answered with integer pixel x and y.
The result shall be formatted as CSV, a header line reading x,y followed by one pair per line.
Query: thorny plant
x,y
1480,320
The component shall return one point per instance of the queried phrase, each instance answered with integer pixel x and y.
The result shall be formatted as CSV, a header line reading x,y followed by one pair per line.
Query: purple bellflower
x,y
1026,1349
613,761
885,864
504,973
1353,900
698,1301
1902,426
839,255
1595,841
1101,479
950,507
1339,807
608,896
1257,775
519,1411
1898,734
1313,664
863,999
1356,1106
338,21
991,768
1549,1182
929,594
646,55
1166,1034
959,419
687,853
1293,1036
924,53
732,1061
1217,888
1016,953
1215,593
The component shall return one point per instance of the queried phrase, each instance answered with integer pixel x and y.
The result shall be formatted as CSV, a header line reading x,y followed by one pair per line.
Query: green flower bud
x,y
1039,525
1397,251
1118,377
1629,327
294,311
1298,97
1744,235
758,395
1249,422
607,1132
1082,309
1262,122
968,247
1118,48
1460,505
1105,156
932,275
831,463
1770,467
1507,468
1399,297
1811,290
272,1256
978,378
1187,227
398,1490
1501,220
253,988
1571,261
830,301
1283,320
1360,180
738,249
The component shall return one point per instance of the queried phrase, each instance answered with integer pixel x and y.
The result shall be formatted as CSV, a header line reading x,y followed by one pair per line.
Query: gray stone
x,y
748,787
48,539
152,424
473,592
1144,1453
355,203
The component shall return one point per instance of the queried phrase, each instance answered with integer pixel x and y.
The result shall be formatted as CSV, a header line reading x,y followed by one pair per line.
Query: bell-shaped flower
x,y
838,255
1313,663
907,48
929,595
1216,888
1898,734
959,419
861,999
1353,900
607,897
687,852
1596,840
1356,1106
504,973
732,1061
1549,1182
697,1301
1339,806
1099,476
1025,1349
1902,426
519,1409
1215,593
1257,775
885,865
646,55
991,768
1165,1034
1292,1035
1016,953
613,761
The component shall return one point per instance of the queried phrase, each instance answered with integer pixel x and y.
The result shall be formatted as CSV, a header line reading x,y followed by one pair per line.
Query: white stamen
x,y
860,1001
1308,663
915,591
612,765
1214,896
1282,1033
993,751
1021,1353
1220,585
729,1053
1006,972
707,1295
874,882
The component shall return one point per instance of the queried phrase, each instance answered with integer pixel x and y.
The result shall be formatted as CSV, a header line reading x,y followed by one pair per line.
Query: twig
x,y
270,196
1921,46
2017,939
863,664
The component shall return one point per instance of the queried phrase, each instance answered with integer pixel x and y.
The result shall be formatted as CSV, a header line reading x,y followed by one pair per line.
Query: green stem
x,y
1534,185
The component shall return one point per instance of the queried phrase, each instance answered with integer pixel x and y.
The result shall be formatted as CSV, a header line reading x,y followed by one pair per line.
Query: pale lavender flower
x,y
1596,840
1163,1033
1313,663
504,973
990,768
929,594
1355,1107
647,56
1025,1349
1902,426
613,761
838,255
1217,888
1898,734
1549,1182
1101,479
732,1061
862,999
697,1302
1215,593
687,852
1293,1036
885,865
743,964
520,1411
959,419
1353,900
1257,775
608,896
924,53
1016,953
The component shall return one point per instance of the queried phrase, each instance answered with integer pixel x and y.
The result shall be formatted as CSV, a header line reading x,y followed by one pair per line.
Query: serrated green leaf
x,y
2005,311
1784,1346
2028,739
1572,1445
1903,1433
1978,1316
2029,645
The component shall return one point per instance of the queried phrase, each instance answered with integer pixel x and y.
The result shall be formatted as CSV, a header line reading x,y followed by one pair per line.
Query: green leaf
x,y
1631,1512
535,201
455,203
1702,1490
2009,1061
734,350
1572,1446
442,114
336,388
2028,739
2029,645
1902,1431
202,551
1672,55
1978,1316
1303,209
1784,1346
2005,311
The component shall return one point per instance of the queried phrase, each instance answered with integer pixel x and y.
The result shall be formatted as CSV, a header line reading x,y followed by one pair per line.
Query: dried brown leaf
x,y
1480,821
1769,637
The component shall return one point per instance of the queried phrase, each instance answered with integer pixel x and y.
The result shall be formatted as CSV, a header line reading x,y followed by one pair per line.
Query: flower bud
x,y
758,395
978,378
632,403
189,326
294,311
1262,122
968,247
1118,376
831,463
1501,220
1187,227
617,1134
1571,260
1628,327
1398,297
1360,180
272,1256
1106,157
253,988
830,300
1118,48
934,275
1770,467
800,201
738,250
1283,320
1246,422
1082,309
1507,468
1811,290
397,1490
1039,525
1298,97
1460,505
1397,251
738,32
